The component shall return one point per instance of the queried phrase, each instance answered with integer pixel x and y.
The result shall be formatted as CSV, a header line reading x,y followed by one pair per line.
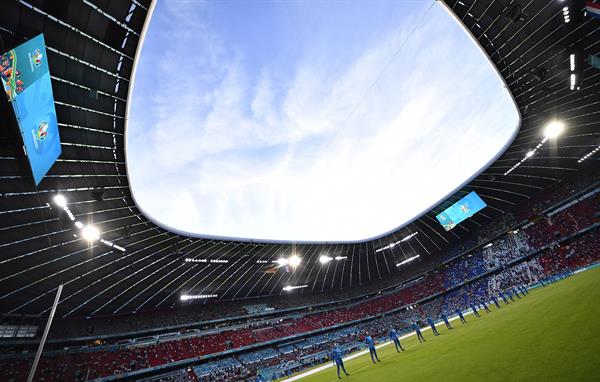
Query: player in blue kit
x,y
495,301
474,309
445,318
418,332
371,344
509,294
336,356
523,290
460,315
504,298
394,338
516,292
432,325
486,307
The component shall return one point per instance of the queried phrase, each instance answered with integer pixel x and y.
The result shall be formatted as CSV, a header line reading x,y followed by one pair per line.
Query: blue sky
x,y
308,121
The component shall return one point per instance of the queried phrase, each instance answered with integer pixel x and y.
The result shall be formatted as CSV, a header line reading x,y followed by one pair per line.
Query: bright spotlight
x,y
554,129
281,261
294,261
60,201
530,154
289,288
90,233
324,259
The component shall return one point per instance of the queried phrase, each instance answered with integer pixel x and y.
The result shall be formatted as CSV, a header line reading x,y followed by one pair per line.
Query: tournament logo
x,y
39,134
36,58
42,131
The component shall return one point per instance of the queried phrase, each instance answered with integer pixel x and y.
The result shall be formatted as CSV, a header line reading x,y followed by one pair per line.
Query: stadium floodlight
x,y
60,200
79,224
324,259
566,16
186,297
553,129
289,288
408,260
586,156
572,61
281,261
338,258
90,233
294,261
392,245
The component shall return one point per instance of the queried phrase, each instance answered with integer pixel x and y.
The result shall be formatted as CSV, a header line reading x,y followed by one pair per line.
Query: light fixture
x,y
408,260
289,288
294,261
214,261
553,129
566,16
60,200
572,61
90,233
338,258
392,245
586,156
281,261
324,259
186,297
576,54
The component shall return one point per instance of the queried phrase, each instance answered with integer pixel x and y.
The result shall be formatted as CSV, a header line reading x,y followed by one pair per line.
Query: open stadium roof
x,y
308,121
92,48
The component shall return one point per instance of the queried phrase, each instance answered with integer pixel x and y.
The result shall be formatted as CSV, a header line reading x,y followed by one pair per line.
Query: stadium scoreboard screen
x,y
26,80
461,210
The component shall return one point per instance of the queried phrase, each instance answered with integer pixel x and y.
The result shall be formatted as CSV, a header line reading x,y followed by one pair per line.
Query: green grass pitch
x,y
550,335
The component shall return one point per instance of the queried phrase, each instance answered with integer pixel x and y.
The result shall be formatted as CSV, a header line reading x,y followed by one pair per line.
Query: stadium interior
x,y
129,299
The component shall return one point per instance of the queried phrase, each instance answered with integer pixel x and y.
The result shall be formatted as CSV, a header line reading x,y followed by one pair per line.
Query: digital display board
x,y
26,80
461,210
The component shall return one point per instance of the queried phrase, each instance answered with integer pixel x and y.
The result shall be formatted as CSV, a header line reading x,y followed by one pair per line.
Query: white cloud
x,y
327,154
